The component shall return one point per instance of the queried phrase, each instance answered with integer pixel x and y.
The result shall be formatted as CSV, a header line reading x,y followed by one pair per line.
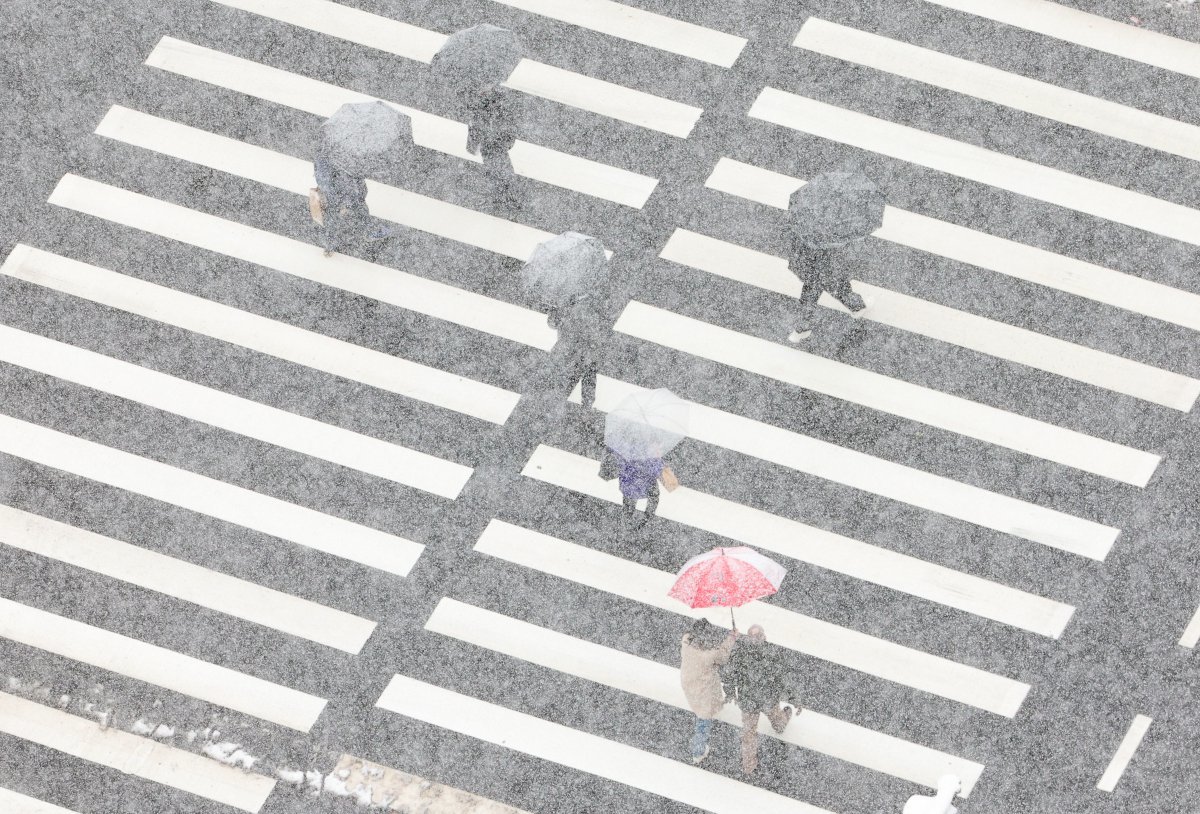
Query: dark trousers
x,y
630,503
840,289
345,225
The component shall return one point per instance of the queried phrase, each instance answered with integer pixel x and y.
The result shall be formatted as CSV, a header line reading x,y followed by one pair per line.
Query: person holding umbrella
x,y
474,63
638,434
830,212
568,276
357,140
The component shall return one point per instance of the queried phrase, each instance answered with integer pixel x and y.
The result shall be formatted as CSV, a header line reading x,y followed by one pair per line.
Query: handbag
x,y
669,481
316,205
608,466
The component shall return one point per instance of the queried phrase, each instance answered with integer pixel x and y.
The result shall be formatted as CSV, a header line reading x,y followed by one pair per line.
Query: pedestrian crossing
x,y
640,26
15,803
1008,257
923,671
141,757
534,78
448,136
610,760
979,164
660,683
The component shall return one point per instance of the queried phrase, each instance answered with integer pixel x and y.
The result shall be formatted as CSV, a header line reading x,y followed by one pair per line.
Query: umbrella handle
x,y
733,622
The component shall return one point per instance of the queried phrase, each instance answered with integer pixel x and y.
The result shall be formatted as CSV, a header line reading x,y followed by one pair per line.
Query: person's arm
x,y
725,649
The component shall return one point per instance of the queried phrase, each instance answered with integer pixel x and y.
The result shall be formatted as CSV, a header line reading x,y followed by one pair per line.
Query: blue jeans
x,y
704,727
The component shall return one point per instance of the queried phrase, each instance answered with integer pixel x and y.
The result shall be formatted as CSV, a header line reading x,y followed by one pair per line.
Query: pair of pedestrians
x,y
758,685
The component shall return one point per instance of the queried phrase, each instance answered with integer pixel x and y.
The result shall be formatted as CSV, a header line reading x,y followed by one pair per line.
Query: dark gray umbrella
x,y
565,268
365,137
836,208
476,57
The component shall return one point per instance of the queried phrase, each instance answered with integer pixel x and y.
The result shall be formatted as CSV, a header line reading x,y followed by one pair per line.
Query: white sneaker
x,y
797,336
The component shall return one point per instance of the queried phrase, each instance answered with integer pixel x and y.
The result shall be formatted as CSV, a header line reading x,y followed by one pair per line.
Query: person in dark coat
x,y
820,270
582,328
344,200
759,684
492,131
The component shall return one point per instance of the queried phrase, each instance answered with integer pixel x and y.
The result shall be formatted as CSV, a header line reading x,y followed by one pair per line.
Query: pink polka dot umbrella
x,y
727,578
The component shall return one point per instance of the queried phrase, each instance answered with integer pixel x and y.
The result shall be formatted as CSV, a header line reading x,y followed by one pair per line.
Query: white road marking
x,y
961,328
294,175
234,413
1191,634
1120,761
604,98
242,328
824,549
913,402
535,78
434,132
158,666
804,634
133,754
582,751
658,682
978,164
198,493
13,803
644,27
1001,87
183,580
1089,30
986,251
278,253
858,470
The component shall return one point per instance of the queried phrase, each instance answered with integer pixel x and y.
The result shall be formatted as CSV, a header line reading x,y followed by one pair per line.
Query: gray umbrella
x,y
836,208
646,424
476,57
565,268
366,137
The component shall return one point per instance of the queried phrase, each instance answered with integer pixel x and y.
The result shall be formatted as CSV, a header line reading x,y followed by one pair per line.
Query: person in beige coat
x,y
701,653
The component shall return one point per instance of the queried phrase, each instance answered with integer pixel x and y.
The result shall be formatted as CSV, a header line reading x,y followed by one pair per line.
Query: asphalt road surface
x,y
337,506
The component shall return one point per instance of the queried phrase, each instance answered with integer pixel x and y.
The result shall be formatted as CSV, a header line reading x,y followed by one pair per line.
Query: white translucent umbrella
x,y
647,424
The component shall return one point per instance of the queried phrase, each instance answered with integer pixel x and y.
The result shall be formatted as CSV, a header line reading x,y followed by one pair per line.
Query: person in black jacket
x,y
492,131
759,683
820,270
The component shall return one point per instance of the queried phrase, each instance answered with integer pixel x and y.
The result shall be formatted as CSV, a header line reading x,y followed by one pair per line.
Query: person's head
x,y
757,634
706,635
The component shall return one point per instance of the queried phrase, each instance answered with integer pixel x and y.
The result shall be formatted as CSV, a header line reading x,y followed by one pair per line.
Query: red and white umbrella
x,y
727,578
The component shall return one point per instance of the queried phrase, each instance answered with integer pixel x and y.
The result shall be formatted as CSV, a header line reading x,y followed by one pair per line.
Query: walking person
x,y
582,329
492,132
820,270
702,651
759,684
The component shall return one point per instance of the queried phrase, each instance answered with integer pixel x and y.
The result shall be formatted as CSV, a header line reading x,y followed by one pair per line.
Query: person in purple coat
x,y
639,479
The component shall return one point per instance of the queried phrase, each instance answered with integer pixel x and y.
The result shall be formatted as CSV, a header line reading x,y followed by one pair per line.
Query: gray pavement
x,y
67,63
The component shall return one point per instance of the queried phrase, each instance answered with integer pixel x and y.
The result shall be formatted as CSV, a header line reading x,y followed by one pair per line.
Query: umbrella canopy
x,y
726,578
364,137
476,57
836,208
565,268
647,424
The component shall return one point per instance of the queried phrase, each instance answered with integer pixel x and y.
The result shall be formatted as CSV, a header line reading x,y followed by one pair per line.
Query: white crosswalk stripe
x,y
183,580
1191,634
159,666
429,130
914,402
824,549
609,760
1001,87
205,495
804,634
534,78
14,803
288,430
949,325
278,253
979,164
640,26
986,251
649,679
260,334
852,468
134,755
1089,30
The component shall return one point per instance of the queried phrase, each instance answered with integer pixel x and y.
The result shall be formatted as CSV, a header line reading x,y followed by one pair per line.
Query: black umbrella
x,y
365,137
836,208
477,57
